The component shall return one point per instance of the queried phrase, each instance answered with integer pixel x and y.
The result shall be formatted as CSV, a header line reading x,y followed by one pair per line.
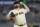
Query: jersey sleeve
x,y
10,14
26,7
26,10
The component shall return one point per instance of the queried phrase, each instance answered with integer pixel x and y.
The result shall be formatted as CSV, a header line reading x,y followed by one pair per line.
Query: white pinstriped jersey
x,y
20,15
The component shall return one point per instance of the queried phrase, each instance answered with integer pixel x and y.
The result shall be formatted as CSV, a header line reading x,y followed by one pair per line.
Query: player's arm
x,y
8,15
26,7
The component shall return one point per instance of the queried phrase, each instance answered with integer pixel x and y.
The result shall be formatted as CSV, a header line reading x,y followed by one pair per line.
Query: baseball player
x,y
18,15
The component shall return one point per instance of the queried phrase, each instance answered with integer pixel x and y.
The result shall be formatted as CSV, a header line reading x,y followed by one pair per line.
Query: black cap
x,y
16,2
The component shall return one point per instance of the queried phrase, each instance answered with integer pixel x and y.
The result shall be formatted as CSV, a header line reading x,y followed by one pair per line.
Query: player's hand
x,y
21,3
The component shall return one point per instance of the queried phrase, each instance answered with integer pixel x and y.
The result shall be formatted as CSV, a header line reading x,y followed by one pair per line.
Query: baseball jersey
x,y
20,15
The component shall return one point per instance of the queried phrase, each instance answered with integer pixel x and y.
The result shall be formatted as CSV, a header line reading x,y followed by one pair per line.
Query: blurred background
x,y
33,17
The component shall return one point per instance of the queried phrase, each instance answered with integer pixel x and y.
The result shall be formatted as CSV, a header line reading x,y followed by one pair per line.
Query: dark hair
x,y
17,3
